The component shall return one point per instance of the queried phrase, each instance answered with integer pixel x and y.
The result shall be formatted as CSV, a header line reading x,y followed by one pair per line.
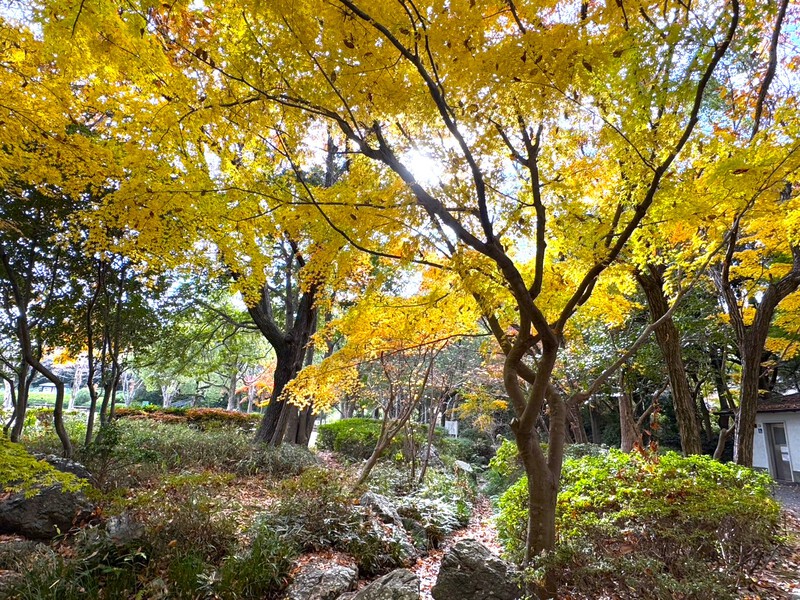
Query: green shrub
x,y
262,570
652,526
505,468
152,446
287,460
472,446
39,434
356,438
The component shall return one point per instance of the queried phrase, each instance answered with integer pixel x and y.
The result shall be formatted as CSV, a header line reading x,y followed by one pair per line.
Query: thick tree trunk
x,y
290,352
669,342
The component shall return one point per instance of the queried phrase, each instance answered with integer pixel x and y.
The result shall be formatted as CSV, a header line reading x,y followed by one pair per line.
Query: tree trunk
x,y
669,342
576,425
745,422
596,438
76,383
234,379
58,408
24,378
629,432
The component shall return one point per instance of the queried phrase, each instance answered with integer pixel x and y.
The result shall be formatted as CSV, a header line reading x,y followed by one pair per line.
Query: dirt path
x,y
779,579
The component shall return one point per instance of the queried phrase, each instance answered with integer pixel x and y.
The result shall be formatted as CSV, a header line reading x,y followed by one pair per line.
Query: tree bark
x,y
629,433
290,351
669,342
234,379
24,378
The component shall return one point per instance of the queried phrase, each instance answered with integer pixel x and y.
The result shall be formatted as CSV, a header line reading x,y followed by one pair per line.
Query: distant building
x,y
776,444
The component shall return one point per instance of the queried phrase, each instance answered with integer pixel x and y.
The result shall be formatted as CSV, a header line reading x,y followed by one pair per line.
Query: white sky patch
x,y
423,167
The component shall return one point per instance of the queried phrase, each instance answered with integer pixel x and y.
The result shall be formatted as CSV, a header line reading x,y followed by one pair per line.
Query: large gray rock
x,y
66,465
400,584
469,571
322,581
43,516
381,506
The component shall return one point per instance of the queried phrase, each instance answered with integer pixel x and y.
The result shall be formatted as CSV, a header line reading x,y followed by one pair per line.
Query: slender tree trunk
x,y
629,432
748,404
576,425
58,408
24,378
234,379
596,435
9,399
435,409
669,342
76,383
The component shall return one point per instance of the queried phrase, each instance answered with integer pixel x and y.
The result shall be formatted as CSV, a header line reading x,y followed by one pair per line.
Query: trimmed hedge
x,y
200,417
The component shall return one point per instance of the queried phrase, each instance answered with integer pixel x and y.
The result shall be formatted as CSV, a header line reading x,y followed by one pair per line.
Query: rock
x,y
123,530
434,460
45,515
463,466
322,581
392,529
66,466
470,571
393,535
381,506
400,584
409,554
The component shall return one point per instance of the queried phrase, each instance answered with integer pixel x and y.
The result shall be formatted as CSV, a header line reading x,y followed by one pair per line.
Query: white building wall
x,y
791,421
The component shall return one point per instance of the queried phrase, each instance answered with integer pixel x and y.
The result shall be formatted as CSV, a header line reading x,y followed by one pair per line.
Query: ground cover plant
x,y
645,525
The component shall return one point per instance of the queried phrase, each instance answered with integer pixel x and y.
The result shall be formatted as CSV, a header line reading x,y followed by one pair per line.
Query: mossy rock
x,y
24,473
37,500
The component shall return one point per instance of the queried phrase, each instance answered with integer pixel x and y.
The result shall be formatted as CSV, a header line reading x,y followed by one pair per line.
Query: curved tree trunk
x,y
669,342
24,378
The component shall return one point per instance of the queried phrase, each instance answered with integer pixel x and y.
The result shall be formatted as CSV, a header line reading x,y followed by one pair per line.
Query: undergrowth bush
x,y
355,438
442,504
472,446
651,526
287,460
317,513
261,570
129,451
